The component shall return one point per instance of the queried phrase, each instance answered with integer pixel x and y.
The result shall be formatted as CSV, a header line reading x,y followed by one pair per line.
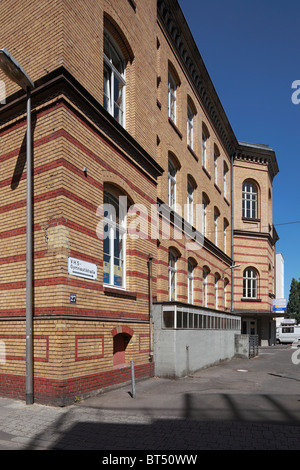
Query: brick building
x,y
255,237
133,161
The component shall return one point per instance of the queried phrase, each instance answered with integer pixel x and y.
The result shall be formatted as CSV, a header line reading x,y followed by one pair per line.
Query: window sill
x,y
133,4
245,299
175,128
115,292
217,188
193,153
206,172
249,219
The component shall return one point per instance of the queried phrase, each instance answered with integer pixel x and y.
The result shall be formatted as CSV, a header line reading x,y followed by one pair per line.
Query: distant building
x,y
279,282
255,237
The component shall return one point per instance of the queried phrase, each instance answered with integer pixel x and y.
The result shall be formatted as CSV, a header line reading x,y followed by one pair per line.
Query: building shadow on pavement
x,y
206,422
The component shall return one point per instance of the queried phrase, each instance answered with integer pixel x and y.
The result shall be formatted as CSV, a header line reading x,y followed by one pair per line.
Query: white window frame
x,y
216,156
225,171
190,127
216,217
190,202
216,291
113,227
204,214
115,75
249,200
226,282
225,235
172,276
250,283
204,286
204,149
172,87
172,184
190,282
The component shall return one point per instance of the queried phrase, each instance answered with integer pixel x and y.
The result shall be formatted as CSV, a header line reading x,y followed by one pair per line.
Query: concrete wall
x,y
242,345
180,352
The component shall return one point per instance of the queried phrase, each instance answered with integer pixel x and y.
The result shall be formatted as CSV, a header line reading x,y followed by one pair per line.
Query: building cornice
x,y
258,153
173,20
272,236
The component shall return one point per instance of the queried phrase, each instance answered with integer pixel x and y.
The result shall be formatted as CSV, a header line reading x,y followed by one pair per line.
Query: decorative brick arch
x,y
125,330
121,338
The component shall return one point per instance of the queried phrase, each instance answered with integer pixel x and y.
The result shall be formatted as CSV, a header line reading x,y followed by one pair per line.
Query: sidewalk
x,y
241,404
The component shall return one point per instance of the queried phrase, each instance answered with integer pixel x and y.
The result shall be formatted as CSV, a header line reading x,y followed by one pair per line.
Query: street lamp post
x,y
15,72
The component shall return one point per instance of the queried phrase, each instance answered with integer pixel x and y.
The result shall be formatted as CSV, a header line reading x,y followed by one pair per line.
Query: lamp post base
x,y
29,399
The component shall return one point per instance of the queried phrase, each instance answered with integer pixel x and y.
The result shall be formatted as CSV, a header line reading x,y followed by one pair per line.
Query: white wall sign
x,y
80,268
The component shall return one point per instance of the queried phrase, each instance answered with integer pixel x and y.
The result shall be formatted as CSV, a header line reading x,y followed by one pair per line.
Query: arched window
x,y
173,84
114,241
250,283
216,219
217,277
205,137
191,267
225,173
216,156
172,171
205,202
172,97
249,200
204,285
191,113
172,275
226,282
225,230
190,126
191,186
114,79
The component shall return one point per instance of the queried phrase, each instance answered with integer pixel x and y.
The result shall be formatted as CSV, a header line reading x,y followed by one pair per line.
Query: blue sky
x,y
251,51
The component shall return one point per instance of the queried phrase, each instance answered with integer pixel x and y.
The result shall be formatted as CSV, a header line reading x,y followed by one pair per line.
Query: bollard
x,y
132,379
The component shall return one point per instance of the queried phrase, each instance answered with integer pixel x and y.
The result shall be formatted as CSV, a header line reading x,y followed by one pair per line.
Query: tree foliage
x,y
293,306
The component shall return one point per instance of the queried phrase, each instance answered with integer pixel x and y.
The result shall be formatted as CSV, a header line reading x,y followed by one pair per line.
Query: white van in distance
x,y
288,332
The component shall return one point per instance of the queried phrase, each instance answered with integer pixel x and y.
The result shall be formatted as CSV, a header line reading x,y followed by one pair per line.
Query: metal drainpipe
x,y
29,263
150,258
232,227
